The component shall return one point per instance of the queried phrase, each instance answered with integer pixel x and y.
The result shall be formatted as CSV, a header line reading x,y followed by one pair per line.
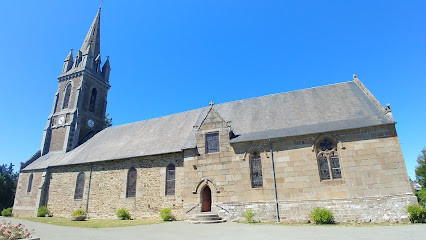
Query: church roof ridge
x,y
233,101
326,108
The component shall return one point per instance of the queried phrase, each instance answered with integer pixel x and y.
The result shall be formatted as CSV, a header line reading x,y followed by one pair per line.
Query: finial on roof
x,y
387,108
211,103
354,76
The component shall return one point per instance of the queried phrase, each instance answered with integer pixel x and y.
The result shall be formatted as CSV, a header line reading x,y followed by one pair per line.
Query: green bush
x,y
421,197
42,211
79,212
322,216
166,214
7,212
123,214
416,213
249,214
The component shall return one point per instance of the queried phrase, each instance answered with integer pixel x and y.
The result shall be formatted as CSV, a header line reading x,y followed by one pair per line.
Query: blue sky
x,y
173,56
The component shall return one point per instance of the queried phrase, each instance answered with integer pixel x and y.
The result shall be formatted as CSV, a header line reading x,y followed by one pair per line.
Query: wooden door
x,y
206,197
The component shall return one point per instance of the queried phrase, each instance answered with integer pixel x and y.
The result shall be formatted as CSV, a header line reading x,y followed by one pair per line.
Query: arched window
x,y
131,182
328,159
67,96
256,170
93,100
170,180
30,183
79,186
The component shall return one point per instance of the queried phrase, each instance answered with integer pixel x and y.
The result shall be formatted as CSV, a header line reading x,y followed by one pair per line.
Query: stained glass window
x,y
324,171
335,167
212,142
93,100
328,160
131,182
67,96
30,183
79,186
256,170
170,179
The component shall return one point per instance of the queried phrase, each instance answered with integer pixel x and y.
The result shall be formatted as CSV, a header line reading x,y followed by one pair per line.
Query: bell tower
x,y
79,105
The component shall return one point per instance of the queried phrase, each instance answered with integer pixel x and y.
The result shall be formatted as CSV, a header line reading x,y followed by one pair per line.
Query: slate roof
x,y
333,107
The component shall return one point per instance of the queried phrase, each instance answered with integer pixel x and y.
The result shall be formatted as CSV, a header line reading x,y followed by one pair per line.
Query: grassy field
x,y
91,223
329,225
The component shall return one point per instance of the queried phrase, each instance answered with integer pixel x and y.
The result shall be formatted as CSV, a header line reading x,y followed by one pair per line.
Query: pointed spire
x,y
68,62
106,69
69,57
93,37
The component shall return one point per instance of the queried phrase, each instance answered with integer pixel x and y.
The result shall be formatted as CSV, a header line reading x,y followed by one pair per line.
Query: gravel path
x,y
182,230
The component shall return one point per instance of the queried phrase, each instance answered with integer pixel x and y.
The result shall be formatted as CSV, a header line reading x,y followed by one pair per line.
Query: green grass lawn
x,y
91,223
329,225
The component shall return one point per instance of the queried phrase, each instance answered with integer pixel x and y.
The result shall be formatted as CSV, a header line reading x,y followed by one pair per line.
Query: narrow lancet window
x,y
30,183
93,100
170,179
131,182
79,186
256,170
328,160
67,96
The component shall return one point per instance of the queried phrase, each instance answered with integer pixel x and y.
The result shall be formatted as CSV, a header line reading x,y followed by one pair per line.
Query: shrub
x,y
166,214
416,213
123,214
7,212
42,211
9,231
249,214
79,212
421,197
322,216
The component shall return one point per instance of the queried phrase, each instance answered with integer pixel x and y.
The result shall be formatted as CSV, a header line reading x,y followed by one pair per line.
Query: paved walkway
x,y
234,231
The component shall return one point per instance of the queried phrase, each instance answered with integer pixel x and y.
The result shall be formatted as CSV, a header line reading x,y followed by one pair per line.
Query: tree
x,y
8,181
421,168
108,121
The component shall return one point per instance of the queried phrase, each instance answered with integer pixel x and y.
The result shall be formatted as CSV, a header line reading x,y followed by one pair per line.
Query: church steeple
x,y
79,105
93,37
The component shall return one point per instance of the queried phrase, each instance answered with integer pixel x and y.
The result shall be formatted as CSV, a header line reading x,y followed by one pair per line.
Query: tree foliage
x,y
421,168
8,180
108,121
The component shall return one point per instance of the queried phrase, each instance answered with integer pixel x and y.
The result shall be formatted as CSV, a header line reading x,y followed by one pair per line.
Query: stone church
x,y
280,155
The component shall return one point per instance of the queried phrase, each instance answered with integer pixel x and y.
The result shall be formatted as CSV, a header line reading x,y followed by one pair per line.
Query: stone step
x,y
206,222
205,218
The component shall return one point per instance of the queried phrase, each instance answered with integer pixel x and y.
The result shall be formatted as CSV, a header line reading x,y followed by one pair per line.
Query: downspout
x,y
275,183
88,188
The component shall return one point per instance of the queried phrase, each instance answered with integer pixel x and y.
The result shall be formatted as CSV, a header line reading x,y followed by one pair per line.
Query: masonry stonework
x,y
218,173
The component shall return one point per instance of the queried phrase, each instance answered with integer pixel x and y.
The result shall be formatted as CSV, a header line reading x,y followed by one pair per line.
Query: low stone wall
x,y
372,209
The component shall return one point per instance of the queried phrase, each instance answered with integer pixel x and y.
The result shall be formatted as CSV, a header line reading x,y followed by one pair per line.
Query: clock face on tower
x,y
61,120
90,123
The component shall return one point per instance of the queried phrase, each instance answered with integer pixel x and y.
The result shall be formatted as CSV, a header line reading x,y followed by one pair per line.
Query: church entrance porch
x,y
206,199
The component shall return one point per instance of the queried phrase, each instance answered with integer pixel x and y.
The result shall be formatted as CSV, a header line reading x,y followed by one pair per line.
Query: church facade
x,y
280,155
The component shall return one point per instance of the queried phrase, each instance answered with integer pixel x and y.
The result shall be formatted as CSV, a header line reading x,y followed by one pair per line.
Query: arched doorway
x,y
206,199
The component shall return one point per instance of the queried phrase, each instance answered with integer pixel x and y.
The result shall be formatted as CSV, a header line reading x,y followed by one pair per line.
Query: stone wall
x,y
27,203
374,185
108,188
